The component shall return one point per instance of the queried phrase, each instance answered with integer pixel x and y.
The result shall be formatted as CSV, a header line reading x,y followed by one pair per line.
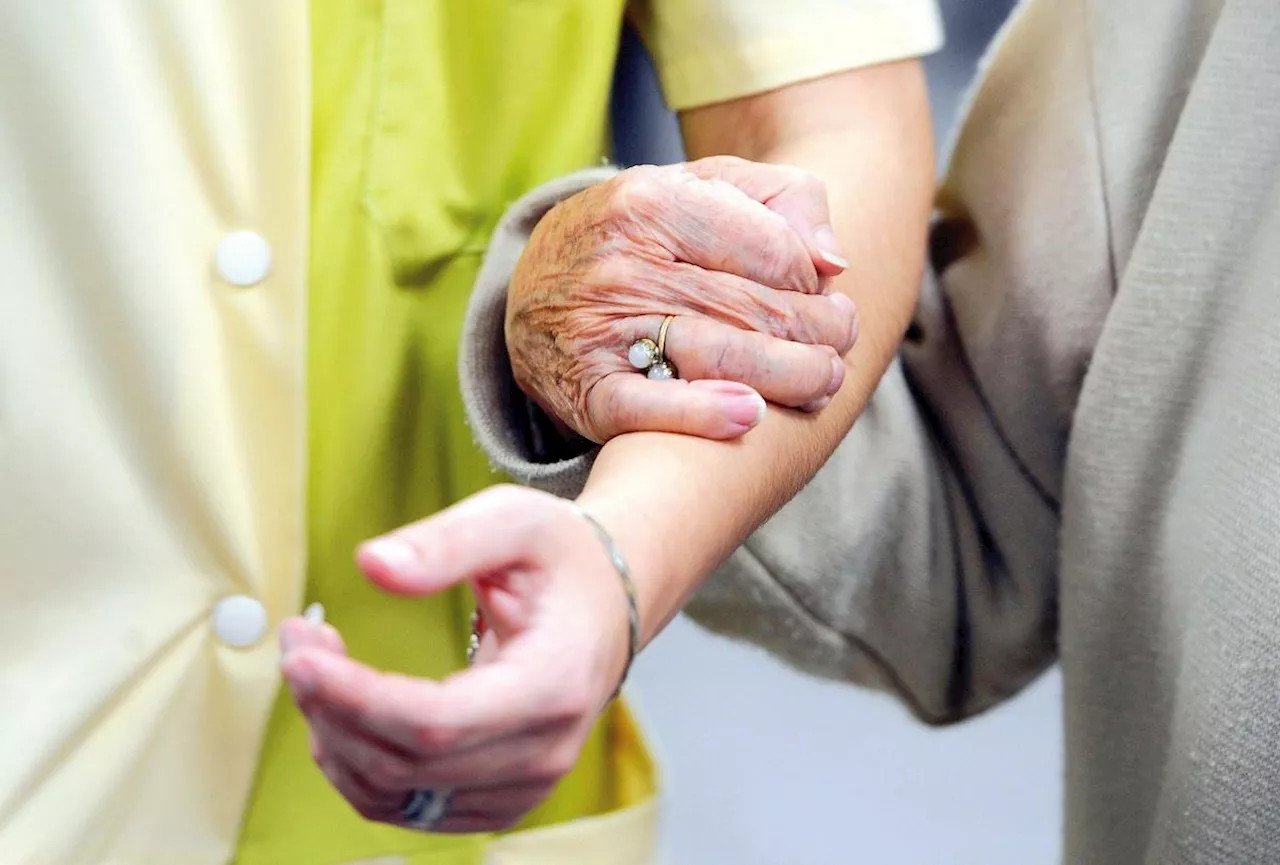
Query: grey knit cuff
x,y
502,418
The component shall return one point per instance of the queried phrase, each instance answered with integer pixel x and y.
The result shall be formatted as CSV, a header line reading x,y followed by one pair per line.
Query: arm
x,y
921,559
865,133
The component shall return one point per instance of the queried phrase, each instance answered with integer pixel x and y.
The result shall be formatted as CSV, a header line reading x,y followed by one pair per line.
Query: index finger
x,y
716,226
797,196
421,716
485,533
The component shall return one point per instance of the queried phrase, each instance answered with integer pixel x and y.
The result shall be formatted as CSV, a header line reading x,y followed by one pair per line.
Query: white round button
x,y
243,258
239,620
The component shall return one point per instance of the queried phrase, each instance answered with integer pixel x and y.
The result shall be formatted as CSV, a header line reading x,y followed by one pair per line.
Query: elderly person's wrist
x,y
518,439
557,276
550,439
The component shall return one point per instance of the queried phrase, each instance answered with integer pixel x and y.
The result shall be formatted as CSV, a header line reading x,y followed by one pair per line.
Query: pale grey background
x,y
766,767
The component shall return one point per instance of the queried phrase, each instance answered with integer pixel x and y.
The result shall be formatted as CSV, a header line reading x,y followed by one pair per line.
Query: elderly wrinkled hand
x,y
499,735
741,255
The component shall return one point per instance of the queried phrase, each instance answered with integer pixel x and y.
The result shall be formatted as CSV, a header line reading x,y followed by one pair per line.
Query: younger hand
x,y
502,733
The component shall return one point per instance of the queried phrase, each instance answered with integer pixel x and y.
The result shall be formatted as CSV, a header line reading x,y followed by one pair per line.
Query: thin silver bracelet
x,y
628,586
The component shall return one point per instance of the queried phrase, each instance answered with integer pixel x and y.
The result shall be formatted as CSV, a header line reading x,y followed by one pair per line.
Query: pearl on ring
x,y
643,353
661,371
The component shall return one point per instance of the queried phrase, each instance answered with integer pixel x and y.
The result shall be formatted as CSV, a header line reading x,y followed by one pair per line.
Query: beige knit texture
x,y
1077,457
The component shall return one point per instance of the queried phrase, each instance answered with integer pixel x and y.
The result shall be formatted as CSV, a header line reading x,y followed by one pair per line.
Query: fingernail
x,y
314,613
837,376
392,553
747,410
828,247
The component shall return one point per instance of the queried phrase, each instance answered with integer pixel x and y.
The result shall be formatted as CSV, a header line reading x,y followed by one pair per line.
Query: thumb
x,y
709,408
793,193
310,630
484,534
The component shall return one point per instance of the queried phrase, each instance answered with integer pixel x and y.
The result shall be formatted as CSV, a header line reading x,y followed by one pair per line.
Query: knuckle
x,y
594,426
803,178
818,321
736,359
363,692
589,413
560,761
720,356
811,184
785,258
634,190
784,319
503,496
435,739
553,766
719,163
570,705
616,411
388,771
366,788
813,373
848,332
611,271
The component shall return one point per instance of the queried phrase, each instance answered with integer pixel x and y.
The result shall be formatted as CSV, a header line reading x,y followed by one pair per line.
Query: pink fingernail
x,y
834,260
825,238
747,411
392,553
837,376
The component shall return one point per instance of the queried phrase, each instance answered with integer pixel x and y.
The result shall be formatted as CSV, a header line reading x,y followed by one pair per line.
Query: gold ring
x,y
662,337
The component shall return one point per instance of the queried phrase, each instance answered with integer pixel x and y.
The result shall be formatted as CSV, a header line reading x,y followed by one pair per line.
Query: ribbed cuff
x,y
498,411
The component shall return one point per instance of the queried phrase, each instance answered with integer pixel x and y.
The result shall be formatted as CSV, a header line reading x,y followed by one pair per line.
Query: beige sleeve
x,y
709,51
918,560
922,558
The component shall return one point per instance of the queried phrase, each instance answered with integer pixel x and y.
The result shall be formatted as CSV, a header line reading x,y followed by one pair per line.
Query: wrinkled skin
x,y
740,252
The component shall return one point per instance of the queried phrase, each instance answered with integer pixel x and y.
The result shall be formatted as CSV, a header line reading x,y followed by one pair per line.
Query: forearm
x,y
678,505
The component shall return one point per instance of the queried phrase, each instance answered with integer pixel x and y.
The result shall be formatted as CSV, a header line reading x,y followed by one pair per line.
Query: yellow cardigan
x,y
238,238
